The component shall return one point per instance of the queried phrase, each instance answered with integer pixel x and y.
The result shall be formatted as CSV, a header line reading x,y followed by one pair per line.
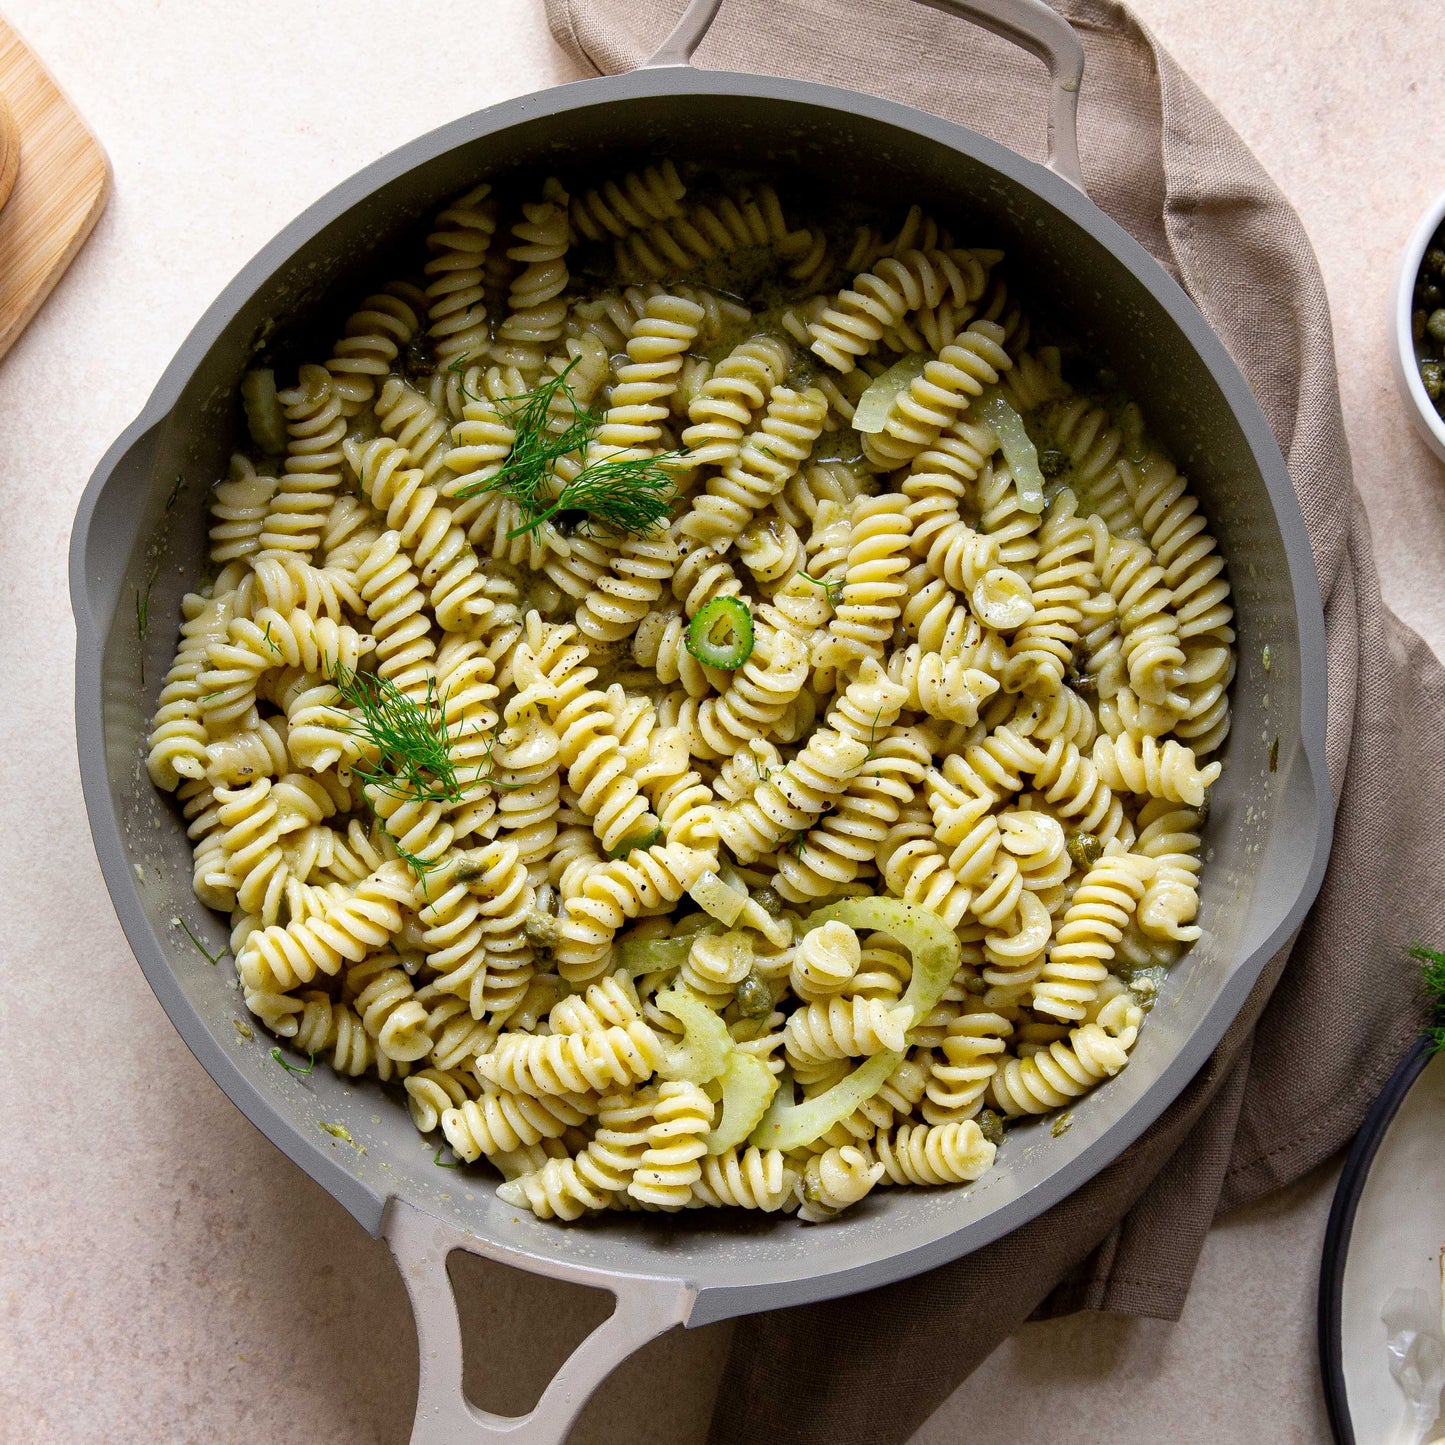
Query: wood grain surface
x,y
54,179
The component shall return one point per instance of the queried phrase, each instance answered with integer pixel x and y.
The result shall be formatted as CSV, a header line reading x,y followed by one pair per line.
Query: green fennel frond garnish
x,y
442,1163
295,1068
201,947
549,424
623,493
1432,977
271,641
410,740
418,865
872,735
832,587
143,615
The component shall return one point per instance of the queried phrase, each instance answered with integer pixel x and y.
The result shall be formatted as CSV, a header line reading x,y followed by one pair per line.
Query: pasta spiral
x,y
538,312
316,425
1144,765
934,399
764,464
280,957
669,1166
838,1028
925,1154
835,1180
728,402
1064,1070
1088,934
879,299
749,1178
596,1060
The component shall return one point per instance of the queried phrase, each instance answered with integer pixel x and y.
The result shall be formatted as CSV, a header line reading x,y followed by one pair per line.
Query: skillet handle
x,y
420,1243
1030,24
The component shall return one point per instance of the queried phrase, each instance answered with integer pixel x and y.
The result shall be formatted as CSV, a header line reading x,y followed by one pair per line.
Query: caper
x,y
770,901
1435,325
1052,461
1085,850
755,998
541,929
990,1125
1432,373
1435,260
1417,325
1428,294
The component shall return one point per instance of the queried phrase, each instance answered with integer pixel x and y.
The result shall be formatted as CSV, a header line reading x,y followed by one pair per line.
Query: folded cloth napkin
x,y
1332,1013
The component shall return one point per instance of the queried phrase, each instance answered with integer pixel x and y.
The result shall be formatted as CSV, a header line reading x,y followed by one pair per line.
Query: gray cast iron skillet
x,y
1267,839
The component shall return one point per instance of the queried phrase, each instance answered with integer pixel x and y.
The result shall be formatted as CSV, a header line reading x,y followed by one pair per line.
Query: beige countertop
x,y
165,1274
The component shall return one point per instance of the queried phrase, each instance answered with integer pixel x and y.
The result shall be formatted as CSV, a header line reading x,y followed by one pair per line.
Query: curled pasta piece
x,y
538,310
372,339
879,299
501,1122
631,204
933,1154
390,1013
430,1093
315,425
280,957
1066,578
838,1028
789,802
919,413
729,401
612,892
916,869
834,1181
1148,628
669,1167
871,601
764,464
825,961
455,290
1144,765
596,1060
423,520
834,852
750,1178
751,216
238,511
1088,933
178,736
971,1049
1066,1069
942,687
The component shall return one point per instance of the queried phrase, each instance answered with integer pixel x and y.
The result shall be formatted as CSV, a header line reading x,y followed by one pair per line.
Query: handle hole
x,y
518,1329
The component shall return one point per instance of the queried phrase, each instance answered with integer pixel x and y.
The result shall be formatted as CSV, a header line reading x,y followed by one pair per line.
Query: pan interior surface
x,y
147,538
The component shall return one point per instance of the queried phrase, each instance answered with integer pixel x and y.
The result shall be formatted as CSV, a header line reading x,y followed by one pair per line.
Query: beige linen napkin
x,y
1331,1016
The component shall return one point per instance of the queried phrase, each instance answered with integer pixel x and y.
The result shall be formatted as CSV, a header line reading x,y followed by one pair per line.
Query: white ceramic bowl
x,y
1428,421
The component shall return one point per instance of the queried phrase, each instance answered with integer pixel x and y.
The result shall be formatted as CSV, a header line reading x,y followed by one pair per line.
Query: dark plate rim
x,y
1341,1226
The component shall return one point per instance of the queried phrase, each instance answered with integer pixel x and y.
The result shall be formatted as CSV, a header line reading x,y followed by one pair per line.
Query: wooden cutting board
x,y
57,178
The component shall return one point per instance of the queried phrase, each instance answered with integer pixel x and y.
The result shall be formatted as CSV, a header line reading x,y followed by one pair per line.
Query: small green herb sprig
x,y
290,1068
212,958
832,587
623,493
143,615
1432,976
412,745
